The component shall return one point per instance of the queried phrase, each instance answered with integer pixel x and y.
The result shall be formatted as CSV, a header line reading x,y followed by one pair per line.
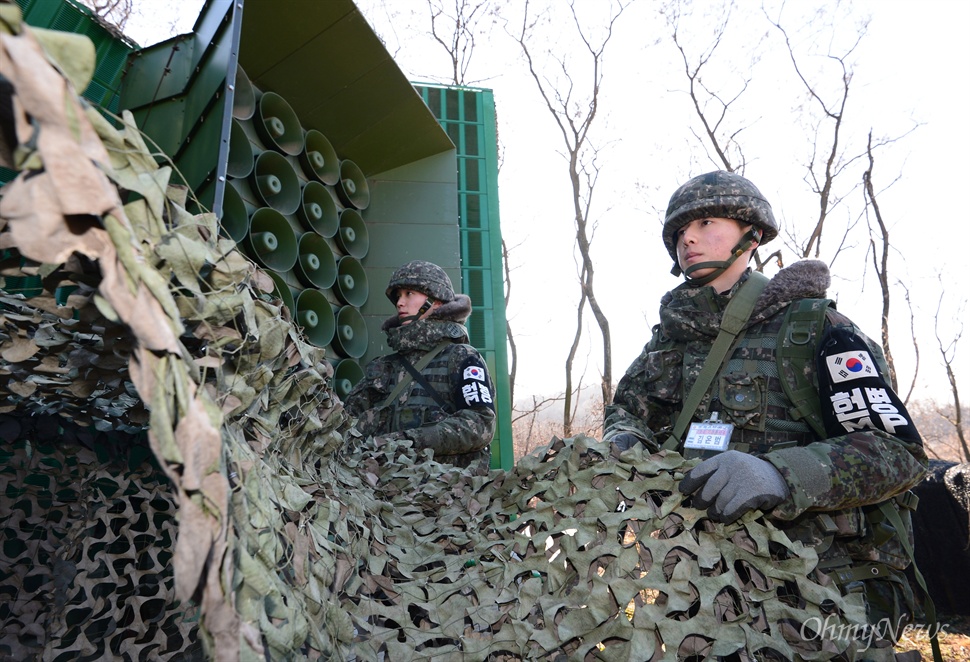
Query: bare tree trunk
x,y
513,351
880,261
948,353
575,119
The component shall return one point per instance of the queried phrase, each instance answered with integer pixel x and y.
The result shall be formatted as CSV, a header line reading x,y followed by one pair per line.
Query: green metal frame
x,y
468,116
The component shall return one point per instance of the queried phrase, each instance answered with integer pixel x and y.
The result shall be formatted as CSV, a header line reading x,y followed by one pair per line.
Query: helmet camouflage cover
x,y
718,194
421,276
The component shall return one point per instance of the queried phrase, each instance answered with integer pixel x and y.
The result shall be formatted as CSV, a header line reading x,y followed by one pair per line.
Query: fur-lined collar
x,y
456,310
806,279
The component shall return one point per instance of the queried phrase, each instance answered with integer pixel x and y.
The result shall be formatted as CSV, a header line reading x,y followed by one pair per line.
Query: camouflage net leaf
x,y
294,538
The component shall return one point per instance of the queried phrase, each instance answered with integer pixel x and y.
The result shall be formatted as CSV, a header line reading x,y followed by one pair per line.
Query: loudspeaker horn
x,y
351,285
235,215
271,241
316,266
350,338
241,157
318,211
278,125
276,183
319,158
352,236
315,314
282,291
352,188
243,96
346,374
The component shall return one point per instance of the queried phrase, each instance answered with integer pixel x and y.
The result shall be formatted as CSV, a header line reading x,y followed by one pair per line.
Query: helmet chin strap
x,y
749,238
425,307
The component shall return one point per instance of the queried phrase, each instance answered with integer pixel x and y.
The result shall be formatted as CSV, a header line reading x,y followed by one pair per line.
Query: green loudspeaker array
x,y
235,214
278,125
281,290
316,266
244,96
241,160
319,159
275,182
295,208
314,313
352,237
352,186
271,241
350,339
318,211
346,374
351,286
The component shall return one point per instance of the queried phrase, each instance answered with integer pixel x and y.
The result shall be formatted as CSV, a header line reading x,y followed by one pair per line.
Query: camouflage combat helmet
x,y
718,194
421,276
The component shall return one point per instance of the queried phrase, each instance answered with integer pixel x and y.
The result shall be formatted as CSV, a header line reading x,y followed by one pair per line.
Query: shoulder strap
x,y
929,607
732,322
795,348
415,372
418,367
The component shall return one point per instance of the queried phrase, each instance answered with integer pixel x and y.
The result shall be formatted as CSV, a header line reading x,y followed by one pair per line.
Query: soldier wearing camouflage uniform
x,y
456,421
823,491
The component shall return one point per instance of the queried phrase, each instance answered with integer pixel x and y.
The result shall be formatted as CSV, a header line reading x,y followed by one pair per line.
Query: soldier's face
x,y
409,303
709,240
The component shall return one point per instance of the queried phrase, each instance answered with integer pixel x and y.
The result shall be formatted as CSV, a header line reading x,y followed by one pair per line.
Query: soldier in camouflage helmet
x,y
822,483
447,405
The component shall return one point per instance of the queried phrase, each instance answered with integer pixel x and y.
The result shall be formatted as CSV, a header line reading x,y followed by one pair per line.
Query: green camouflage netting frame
x,y
269,529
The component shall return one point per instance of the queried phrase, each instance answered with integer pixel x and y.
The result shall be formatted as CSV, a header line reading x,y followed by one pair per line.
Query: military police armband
x,y
853,394
475,388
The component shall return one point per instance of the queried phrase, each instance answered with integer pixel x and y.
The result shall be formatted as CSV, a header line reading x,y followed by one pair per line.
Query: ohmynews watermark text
x,y
833,629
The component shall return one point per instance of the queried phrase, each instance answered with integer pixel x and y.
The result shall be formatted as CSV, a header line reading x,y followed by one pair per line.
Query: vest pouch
x,y
408,418
743,400
661,375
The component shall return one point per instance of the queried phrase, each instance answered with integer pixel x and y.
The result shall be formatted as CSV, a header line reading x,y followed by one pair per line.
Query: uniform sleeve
x,y
647,395
471,426
367,395
873,451
361,396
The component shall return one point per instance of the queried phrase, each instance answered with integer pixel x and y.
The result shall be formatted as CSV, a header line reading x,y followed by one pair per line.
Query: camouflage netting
x,y
252,523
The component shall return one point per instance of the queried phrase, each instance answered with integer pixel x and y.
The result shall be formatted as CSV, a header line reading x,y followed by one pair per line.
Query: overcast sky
x,y
911,78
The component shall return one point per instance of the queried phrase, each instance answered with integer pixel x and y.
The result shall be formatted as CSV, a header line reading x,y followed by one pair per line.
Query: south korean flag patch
x,y
853,394
476,388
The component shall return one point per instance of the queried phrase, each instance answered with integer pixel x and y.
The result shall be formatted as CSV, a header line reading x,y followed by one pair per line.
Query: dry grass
x,y
954,640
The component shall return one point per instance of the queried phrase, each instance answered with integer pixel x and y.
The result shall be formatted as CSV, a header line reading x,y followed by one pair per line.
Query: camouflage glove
x,y
625,440
733,483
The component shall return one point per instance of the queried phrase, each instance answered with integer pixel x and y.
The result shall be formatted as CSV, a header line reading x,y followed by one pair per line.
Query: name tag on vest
x,y
709,435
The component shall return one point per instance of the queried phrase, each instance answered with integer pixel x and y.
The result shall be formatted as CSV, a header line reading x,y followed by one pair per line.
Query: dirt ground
x,y
954,640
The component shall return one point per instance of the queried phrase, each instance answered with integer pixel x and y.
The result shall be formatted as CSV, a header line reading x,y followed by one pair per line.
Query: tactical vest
x,y
765,389
416,407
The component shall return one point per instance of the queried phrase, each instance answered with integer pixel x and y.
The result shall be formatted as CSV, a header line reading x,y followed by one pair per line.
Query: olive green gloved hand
x,y
733,483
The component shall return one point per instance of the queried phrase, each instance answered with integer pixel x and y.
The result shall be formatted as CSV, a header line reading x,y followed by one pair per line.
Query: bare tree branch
x,y
821,176
912,333
456,32
701,95
948,352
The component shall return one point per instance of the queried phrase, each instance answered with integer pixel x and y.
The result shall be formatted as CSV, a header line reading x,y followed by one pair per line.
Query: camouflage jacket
x,y
833,481
457,434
